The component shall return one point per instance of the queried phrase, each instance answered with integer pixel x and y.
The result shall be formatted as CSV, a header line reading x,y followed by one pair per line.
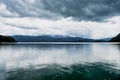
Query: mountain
x,y
6,39
116,39
57,38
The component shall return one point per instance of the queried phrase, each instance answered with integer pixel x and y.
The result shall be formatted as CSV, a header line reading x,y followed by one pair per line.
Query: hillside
x,y
116,39
6,39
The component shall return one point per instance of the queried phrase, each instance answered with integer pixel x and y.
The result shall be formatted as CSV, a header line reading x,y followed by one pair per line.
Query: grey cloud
x,y
84,9
26,9
77,9
22,26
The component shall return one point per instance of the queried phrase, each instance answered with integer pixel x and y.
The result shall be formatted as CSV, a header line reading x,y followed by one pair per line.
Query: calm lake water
x,y
90,61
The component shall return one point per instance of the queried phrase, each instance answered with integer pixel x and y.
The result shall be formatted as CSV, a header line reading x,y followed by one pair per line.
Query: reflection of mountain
x,y
6,39
116,39
46,38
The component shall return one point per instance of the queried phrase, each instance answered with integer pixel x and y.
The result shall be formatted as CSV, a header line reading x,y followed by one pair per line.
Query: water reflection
x,y
65,61
95,71
118,46
15,55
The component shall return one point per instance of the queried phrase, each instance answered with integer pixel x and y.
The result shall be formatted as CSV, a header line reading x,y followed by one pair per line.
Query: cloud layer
x,y
65,27
84,9
78,9
81,18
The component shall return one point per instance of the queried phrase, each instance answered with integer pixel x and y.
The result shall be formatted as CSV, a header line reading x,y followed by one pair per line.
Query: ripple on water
x,y
89,71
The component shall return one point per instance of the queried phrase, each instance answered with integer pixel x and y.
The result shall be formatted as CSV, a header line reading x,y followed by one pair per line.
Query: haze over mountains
x,y
91,19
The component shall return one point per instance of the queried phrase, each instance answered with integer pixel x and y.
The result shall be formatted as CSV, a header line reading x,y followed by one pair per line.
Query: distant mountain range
x,y
57,38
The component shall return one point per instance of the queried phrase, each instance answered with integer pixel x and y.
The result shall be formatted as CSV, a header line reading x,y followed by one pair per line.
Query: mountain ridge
x,y
47,38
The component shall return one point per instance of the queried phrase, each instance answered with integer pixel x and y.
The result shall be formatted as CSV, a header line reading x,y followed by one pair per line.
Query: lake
x,y
60,61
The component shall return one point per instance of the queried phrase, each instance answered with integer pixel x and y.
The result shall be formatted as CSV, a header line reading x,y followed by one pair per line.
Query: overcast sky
x,y
81,18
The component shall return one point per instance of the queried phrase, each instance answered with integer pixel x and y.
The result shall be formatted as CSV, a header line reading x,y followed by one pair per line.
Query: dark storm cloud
x,y
77,9
84,9
24,8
